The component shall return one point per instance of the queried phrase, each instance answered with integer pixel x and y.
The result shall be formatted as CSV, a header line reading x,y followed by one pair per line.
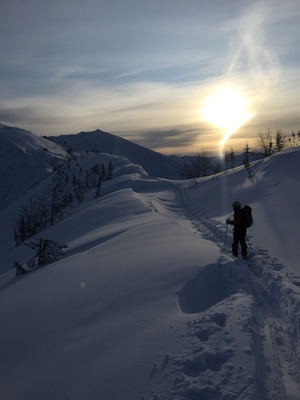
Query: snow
x,y
148,302
98,141
36,156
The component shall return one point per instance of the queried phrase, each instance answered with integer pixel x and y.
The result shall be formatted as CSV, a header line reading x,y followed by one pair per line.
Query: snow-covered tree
x,y
19,268
46,251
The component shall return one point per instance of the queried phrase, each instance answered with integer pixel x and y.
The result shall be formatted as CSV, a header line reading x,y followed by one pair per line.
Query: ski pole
x,y
226,234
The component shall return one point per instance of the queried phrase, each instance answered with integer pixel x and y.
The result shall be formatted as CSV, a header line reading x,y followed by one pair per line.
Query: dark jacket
x,y
238,220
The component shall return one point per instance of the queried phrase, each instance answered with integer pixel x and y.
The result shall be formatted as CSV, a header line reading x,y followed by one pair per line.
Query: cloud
x,y
144,69
175,139
16,115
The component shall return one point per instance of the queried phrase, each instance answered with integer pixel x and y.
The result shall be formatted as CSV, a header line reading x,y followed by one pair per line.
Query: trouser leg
x,y
243,244
235,244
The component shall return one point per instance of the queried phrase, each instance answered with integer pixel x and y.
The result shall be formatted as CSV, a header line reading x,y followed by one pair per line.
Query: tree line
x,y
270,144
267,144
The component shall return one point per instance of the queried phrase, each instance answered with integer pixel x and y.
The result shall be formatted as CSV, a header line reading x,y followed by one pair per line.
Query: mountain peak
x,y
153,163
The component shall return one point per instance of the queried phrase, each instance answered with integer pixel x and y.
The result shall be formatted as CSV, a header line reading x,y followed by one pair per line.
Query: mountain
x,y
155,164
25,160
148,302
29,158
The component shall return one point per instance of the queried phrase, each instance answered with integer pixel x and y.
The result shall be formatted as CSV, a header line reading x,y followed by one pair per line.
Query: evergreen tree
x,y
79,191
42,211
226,160
98,187
111,167
88,180
74,180
246,160
103,172
56,191
29,219
232,158
279,140
20,232
46,251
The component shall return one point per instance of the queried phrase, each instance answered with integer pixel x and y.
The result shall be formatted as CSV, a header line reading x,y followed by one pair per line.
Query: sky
x,y
178,77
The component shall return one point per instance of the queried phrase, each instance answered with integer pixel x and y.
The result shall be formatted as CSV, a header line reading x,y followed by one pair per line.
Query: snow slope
x,y
154,163
25,160
148,302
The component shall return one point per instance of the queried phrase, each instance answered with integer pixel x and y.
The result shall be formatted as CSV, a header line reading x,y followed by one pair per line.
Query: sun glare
x,y
227,110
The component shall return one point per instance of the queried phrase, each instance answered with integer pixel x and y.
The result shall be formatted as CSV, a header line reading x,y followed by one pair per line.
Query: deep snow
x,y
148,303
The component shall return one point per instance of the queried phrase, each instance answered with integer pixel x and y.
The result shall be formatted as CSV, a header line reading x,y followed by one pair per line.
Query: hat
x,y
236,204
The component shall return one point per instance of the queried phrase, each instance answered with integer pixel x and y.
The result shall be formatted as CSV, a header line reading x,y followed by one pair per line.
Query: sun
x,y
227,109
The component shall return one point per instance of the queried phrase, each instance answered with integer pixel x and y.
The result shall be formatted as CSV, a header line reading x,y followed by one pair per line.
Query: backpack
x,y
247,214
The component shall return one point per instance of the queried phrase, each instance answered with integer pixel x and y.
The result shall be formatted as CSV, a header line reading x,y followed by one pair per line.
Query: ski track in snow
x,y
256,318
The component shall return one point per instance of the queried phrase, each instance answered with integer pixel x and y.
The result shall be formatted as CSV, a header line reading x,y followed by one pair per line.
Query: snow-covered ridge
x,y
28,158
27,141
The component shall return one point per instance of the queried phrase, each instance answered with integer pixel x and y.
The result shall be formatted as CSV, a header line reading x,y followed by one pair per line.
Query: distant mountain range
x,y
26,158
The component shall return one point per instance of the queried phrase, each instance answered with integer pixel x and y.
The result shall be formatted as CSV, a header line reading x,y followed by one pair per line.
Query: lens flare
x,y
227,109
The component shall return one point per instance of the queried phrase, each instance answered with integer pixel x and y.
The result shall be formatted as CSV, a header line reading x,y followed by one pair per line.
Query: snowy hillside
x,y
153,163
25,159
148,302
